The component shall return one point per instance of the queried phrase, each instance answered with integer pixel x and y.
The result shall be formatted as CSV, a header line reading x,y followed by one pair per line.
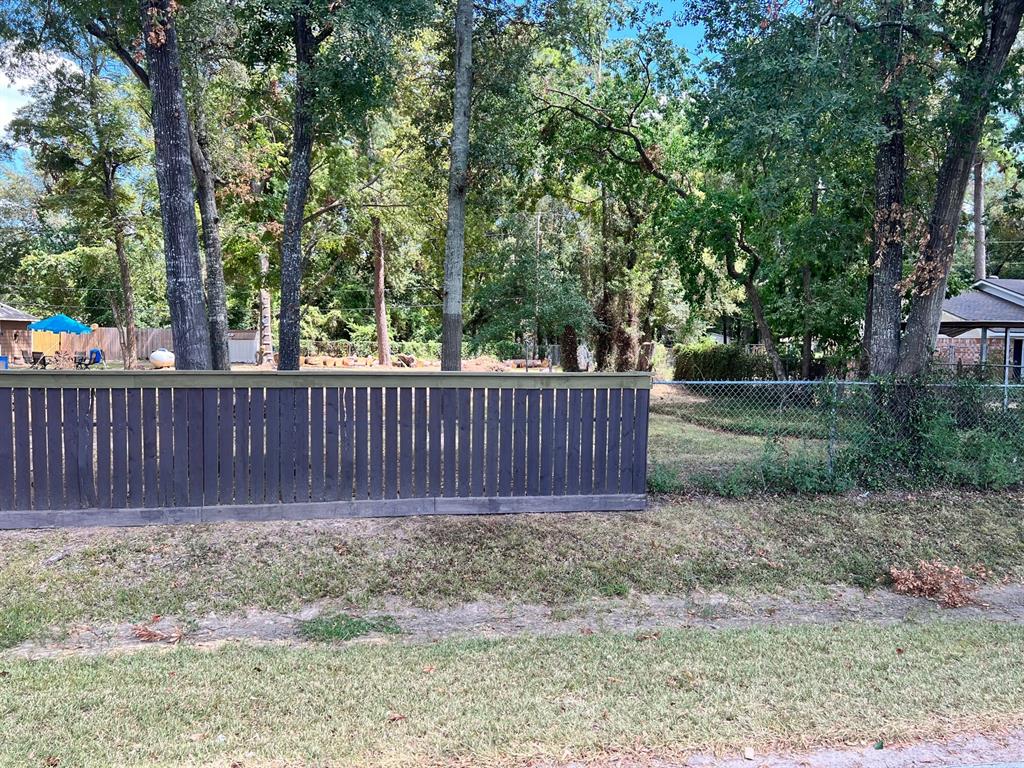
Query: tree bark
x,y
455,235
126,309
888,235
266,353
570,350
980,257
380,311
216,294
298,192
189,328
763,329
977,89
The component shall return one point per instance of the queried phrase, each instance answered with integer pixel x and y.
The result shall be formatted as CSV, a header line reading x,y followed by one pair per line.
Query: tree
x,y
973,94
455,235
189,327
342,56
84,136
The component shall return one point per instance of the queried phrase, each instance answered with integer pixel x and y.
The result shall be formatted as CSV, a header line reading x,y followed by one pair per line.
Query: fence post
x,y
832,422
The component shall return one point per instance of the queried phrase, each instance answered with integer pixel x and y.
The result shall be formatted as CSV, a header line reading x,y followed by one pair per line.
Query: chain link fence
x,y
740,437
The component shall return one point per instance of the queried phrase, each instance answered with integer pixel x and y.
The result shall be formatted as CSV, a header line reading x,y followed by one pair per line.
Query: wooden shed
x,y
15,337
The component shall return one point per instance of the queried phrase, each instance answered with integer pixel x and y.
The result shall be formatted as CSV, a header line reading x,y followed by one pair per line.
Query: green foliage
x,y
946,435
708,361
340,627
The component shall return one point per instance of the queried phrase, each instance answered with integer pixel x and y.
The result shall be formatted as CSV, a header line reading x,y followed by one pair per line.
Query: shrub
x,y
707,361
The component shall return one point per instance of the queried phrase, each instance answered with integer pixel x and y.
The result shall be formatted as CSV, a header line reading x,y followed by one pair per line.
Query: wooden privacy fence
x,y
115,448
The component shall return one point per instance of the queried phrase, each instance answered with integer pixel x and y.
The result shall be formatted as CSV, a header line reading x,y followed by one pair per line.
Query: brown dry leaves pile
x,y
946,584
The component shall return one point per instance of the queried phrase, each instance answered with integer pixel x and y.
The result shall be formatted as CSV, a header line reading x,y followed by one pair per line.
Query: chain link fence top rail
x,y
739,437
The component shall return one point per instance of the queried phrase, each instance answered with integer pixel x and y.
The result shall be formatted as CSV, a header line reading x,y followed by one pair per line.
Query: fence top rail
x,y
290,379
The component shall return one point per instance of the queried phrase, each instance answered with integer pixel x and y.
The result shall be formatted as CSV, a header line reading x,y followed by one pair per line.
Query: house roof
x,y
991,303
7,312
981,306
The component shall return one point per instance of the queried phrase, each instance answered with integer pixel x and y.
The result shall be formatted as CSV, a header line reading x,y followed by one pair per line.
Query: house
x,y
15,337
985,325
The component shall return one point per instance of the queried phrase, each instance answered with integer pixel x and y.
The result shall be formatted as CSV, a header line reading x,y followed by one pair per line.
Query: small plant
x,y
341,626
945,584
662,479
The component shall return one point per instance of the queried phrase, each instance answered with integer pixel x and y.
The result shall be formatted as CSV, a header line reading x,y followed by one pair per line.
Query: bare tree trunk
x,y
266,353
980,258
216,294
295,205
763,329
807,344
977,90
380,310
455,235
174,181
885,308
199,158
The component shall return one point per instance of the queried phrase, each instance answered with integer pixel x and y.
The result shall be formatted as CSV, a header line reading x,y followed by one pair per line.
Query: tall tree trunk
x,y
807,347
763,329
216,294
380,310
887,237
455,235
266,353
129,353
298,192
174,181
604,342
977,90
980,257
201,168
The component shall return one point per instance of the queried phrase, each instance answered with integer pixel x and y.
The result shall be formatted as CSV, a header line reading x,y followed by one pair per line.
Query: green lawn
x,y
51,579
504,702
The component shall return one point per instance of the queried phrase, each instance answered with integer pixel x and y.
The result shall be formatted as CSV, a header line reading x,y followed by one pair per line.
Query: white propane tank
x,y
161,358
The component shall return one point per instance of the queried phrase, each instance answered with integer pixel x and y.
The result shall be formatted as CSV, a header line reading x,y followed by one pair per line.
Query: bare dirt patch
x,y
498,618
1005,750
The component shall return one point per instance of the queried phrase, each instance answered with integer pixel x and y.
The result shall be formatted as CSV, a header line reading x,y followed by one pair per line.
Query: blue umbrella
x,y
60,324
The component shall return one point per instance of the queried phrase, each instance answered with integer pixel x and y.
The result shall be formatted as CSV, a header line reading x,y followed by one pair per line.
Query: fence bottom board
x,y
78,518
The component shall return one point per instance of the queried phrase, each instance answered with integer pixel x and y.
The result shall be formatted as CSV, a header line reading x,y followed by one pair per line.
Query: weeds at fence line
x,y
736,438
